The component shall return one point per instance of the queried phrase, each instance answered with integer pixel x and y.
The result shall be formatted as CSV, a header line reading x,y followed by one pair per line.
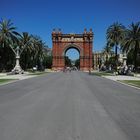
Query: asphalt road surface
x,y
69,106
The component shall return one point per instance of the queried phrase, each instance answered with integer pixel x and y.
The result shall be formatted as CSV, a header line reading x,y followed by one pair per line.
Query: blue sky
x,y
39,17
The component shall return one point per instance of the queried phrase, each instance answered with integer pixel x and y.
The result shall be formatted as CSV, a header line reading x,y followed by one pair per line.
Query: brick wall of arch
x,y
82,42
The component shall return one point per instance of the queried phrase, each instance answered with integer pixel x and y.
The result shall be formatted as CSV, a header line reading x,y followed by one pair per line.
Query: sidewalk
x,y
121,77
17,76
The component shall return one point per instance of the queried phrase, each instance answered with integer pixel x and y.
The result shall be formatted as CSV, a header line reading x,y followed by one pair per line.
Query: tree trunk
x,y
116,56
135,58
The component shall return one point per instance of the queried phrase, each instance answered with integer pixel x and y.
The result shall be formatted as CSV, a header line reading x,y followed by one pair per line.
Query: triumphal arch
x,y
83,43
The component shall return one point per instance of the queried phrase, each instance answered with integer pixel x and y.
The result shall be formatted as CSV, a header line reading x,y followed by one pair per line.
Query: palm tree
x,y
25,41
107,54
31,47
38,50
26,47
7,34
7,31
115,35
132,41
107,50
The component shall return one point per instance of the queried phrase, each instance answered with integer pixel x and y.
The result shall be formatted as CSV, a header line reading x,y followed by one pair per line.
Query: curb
x,y
15,80
122,83
128,85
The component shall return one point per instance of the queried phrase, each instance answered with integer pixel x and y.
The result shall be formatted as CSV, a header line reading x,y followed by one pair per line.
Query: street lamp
x,y
17,69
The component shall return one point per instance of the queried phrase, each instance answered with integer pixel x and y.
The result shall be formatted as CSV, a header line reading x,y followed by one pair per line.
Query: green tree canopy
x,y
131,42
8,35
115,35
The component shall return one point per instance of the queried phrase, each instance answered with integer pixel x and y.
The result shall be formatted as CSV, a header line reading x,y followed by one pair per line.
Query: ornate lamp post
x,y
15,48
17,69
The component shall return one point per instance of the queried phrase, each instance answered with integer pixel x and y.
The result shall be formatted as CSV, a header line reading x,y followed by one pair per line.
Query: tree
x,y
47,61
77,63
31,48
115,35
107,50
39,53
33,53
7,31
67,61
27,48
131,42
8,34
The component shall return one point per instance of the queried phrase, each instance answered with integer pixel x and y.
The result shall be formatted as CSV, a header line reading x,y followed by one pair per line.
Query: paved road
x,y
69,106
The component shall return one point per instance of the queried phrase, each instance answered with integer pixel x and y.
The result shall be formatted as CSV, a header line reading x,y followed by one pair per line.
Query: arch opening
x,y
72,57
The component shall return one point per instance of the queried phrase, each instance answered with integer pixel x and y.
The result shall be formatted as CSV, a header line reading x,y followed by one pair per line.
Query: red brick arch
x,y
81,42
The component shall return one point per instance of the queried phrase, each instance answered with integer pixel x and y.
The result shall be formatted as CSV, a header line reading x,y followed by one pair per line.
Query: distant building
x,y
100,57
97,59
48,51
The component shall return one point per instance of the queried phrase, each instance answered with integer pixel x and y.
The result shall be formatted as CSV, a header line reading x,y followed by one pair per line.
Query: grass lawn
x,y
135,83
101,74
6,80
